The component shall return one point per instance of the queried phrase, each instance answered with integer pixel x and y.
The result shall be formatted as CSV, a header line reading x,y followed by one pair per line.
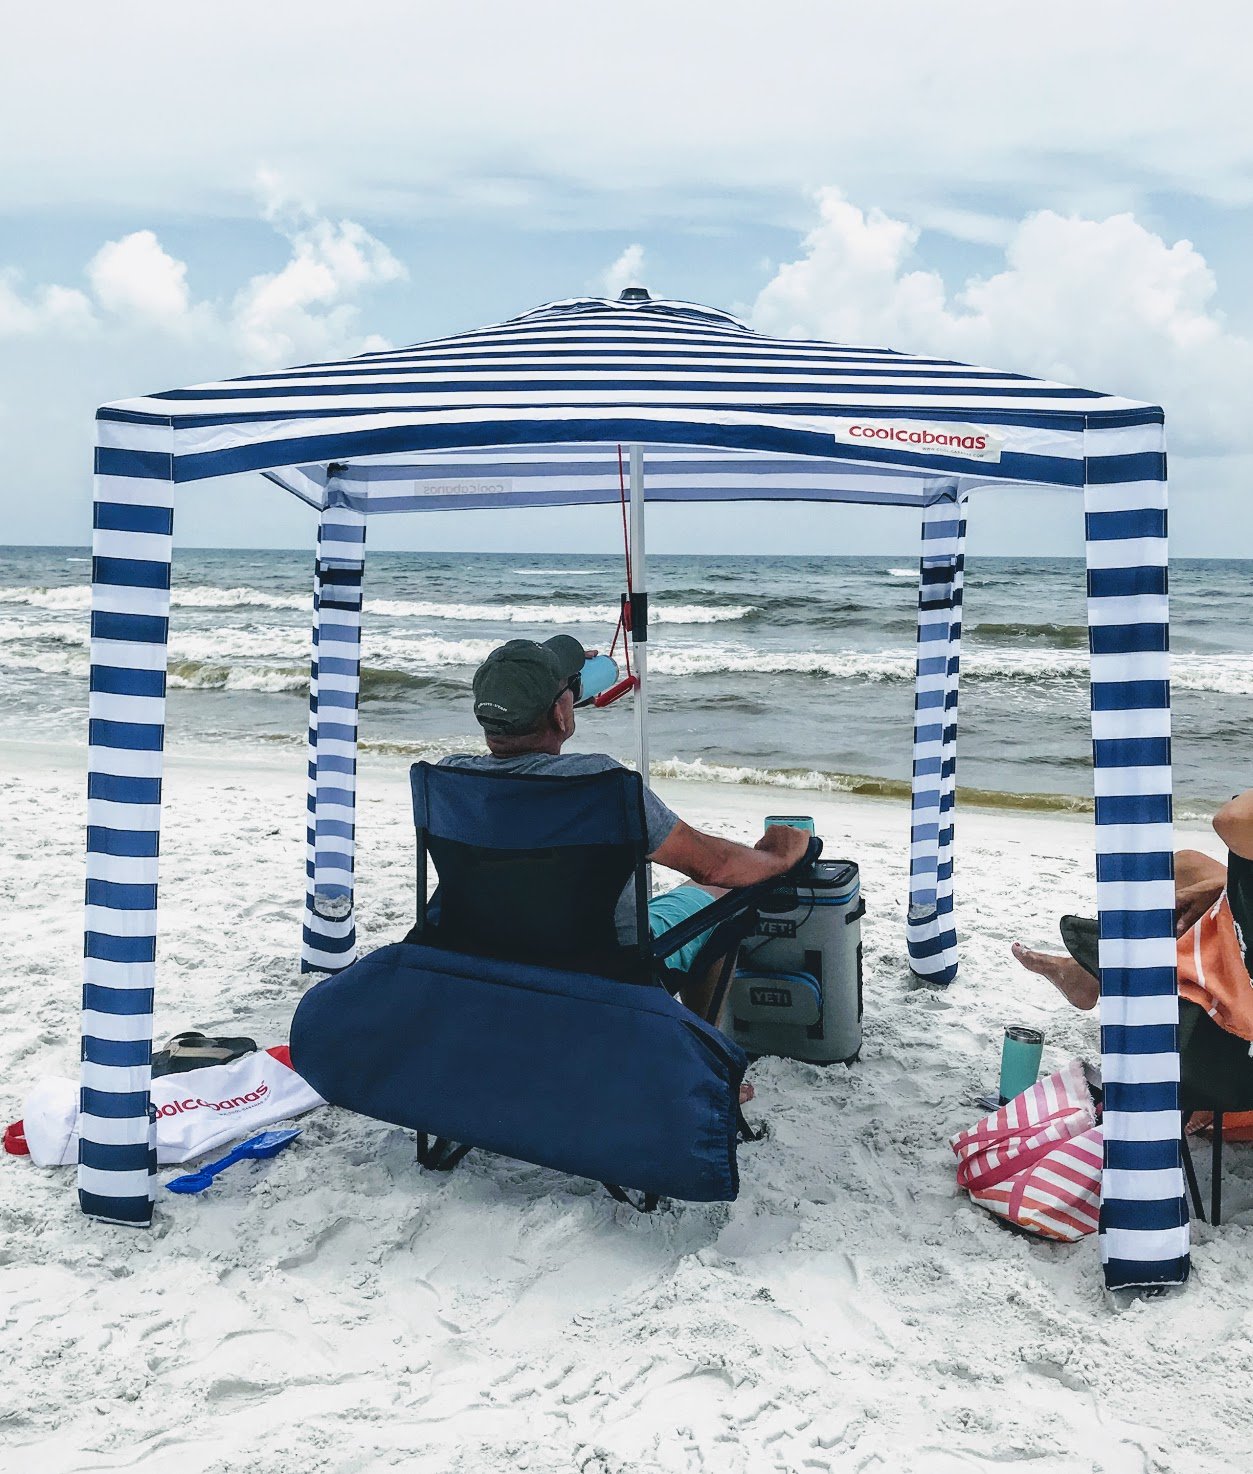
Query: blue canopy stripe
x,y
530,412
930,932
329,941
1144,1218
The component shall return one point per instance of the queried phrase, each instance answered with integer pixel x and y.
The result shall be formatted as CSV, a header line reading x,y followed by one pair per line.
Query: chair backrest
x,y
531,865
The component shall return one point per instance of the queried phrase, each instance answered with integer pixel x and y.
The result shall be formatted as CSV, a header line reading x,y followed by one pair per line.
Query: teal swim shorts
x,y
672,907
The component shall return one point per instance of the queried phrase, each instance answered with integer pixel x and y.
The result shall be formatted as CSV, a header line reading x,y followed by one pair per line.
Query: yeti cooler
x,y
797,988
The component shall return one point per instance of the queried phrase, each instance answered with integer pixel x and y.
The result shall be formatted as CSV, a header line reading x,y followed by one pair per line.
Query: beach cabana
x,y
534,412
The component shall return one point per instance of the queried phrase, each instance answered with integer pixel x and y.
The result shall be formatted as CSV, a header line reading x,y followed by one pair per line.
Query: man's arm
x,y
709,860
1233,824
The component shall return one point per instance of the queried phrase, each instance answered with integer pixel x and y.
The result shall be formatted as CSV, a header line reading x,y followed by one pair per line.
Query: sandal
x,y
193,1051
1080,935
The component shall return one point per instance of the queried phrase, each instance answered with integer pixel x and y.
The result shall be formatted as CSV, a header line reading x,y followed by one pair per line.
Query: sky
x,y
1063,190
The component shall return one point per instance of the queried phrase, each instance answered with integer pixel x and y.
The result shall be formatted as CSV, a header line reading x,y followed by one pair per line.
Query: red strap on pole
x,y
607,698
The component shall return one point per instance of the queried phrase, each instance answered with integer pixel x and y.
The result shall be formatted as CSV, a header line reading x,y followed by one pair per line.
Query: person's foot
x,y
1076,985
746,1093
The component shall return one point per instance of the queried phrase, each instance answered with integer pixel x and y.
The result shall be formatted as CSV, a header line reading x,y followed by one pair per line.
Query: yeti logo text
x,y
970,442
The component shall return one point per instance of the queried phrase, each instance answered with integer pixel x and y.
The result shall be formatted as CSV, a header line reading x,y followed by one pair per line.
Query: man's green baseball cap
x,y
518,682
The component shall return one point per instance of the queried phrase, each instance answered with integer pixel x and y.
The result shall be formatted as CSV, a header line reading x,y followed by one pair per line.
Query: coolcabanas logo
x,y
194,1103
465,488
971,442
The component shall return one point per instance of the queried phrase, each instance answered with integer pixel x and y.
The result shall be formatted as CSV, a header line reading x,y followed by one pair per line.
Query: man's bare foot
x,y
746,1093
1076,985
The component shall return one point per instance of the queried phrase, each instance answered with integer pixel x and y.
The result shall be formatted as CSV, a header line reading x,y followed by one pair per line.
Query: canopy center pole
x,y
639,609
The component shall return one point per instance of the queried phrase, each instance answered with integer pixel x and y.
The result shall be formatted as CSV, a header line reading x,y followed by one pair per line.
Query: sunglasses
x,y
575,687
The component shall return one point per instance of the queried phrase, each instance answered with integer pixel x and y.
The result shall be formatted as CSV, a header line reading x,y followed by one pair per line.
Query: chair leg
x,y
1216,1172
439,1154
1189,1171
645,1203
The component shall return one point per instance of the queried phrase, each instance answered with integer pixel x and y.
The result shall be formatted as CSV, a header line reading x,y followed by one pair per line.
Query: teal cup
x,y
1020,1060
795,821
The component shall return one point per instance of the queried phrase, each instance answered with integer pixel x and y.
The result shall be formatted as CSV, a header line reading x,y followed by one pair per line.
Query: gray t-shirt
x,y
658,818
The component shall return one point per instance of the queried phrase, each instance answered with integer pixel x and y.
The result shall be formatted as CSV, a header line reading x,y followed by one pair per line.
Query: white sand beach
x,y
339,1310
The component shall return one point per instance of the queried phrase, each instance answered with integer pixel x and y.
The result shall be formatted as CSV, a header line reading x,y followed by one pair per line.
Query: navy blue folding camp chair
x,y
513,1019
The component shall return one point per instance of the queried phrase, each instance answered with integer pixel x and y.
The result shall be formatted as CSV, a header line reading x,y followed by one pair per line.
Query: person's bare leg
x,y
1076,984
698,993
1192,867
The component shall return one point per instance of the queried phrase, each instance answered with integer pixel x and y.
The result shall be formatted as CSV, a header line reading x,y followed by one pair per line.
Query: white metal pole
x,y
639,610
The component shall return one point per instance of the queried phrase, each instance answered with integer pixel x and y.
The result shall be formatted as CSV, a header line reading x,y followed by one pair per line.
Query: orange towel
x,y
1212,971
1237,1125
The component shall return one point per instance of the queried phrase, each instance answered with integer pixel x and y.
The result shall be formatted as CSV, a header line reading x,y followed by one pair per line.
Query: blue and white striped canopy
x,y
533,412
559,387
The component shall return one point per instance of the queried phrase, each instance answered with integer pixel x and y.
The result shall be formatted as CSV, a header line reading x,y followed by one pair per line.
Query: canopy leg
x,y
930,936
1144,1217
130,605
329,937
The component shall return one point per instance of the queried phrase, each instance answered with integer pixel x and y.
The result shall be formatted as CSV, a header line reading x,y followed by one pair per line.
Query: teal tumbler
x,y
1020,1060
794,821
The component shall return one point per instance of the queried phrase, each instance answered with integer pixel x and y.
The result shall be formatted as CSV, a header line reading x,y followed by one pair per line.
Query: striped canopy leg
x,y
1144,1220
930,935
133,522
329,937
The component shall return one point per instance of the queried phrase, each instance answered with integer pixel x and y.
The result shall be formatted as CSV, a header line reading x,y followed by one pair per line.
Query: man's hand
x,y
1193,901
789,844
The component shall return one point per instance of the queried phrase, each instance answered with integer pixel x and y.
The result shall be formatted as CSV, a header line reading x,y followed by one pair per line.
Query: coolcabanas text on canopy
x,y
532,412
979,444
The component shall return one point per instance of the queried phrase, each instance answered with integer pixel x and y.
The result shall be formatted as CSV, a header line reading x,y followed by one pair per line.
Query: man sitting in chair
x,y
524,698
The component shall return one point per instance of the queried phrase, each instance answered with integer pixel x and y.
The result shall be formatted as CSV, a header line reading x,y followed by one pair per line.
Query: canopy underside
x,y
592,473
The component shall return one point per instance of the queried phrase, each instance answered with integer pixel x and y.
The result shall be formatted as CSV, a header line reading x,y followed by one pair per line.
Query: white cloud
x,y
626,271
307,309
1105,304
135,278
60,310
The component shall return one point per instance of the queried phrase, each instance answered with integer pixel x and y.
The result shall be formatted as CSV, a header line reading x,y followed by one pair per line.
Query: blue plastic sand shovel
x,y
268,1144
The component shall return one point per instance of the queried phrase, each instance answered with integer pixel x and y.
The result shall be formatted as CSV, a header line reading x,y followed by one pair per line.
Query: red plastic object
x,y
15,1140
608,697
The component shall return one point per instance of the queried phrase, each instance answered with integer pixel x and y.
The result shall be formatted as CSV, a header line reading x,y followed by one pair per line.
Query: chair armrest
x,y
728,907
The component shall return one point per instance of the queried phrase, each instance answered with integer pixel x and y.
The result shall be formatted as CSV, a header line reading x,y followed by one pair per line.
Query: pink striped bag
x,y
1037,1161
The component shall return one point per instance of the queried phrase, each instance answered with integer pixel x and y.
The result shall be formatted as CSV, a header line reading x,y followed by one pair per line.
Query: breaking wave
x,y
549,614
1064,636
865,785
78,596
275,660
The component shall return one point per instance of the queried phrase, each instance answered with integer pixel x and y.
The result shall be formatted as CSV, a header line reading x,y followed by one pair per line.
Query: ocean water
x,y
786,672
